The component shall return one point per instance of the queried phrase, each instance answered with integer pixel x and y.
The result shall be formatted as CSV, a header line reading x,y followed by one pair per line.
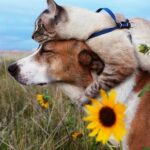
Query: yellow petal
x,y
42,104
39,97
96,102
91,118
91,109
120,108
119,132
93,125
46,105
76,135
103,136
112,96
104,96
94,132
120,117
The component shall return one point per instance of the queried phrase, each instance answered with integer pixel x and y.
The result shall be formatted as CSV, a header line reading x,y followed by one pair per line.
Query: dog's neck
x,y
91,23
124,90
73,92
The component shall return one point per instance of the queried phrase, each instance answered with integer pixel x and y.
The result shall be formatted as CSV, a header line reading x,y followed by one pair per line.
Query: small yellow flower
x,y
106,117
45,105
39,98
76,134
42,102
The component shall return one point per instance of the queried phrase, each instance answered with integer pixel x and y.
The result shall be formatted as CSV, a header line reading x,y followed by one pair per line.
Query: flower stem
x,y
121,148
110,147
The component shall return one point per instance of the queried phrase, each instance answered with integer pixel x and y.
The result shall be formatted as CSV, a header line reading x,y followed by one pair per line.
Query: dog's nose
x,y
13,69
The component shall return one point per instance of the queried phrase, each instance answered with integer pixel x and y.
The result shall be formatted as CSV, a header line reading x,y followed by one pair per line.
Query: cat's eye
x,y
40,25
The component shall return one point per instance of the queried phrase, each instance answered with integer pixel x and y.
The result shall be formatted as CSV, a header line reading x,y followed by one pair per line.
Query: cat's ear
x,y
91,60
56,11
52,6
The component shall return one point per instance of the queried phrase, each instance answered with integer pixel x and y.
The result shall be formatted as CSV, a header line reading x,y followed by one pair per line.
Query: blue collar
x,y
122,25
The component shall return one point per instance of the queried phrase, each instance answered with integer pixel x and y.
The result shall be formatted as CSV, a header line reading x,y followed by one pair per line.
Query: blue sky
x,y
17,17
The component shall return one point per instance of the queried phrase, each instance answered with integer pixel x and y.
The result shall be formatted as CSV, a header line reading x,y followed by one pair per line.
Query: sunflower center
x,y
107,116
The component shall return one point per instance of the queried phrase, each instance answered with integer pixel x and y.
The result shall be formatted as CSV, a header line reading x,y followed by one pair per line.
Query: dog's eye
x,y
47,52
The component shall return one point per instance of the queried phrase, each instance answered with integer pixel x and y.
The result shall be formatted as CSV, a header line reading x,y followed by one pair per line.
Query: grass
x,y
24,125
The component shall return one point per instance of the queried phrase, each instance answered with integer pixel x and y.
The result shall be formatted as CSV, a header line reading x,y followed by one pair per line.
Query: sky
x,y
17,17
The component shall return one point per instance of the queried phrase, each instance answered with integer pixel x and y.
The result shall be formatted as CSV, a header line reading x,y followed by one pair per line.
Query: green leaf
x,y
3,146
145,90
146,148
46,95
143,48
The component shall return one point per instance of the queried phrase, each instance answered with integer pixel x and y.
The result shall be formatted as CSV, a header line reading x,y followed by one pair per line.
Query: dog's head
x,y
69,62
59,22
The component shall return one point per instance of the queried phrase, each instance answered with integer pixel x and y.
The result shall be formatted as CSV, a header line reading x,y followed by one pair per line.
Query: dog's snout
x,y
13,69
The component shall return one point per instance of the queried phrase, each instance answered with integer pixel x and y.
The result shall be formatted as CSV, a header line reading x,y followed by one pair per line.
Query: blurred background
x,y
17,17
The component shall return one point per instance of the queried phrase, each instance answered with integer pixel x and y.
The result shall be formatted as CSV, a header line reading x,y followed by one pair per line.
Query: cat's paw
x,y
84,100
92,90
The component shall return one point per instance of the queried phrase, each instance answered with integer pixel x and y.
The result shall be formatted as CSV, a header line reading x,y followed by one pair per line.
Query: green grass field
x,y
24,125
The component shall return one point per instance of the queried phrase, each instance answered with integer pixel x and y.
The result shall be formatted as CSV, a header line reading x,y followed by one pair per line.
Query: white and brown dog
x,y
60,22
69,65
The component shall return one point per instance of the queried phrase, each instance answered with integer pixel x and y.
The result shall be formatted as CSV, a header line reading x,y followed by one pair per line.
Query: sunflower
x,y
76,135
106,117
42,101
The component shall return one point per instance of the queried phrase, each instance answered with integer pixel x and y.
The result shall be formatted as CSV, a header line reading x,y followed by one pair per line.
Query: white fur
x,y
32,72
73,92
36,25
82,23
132,104
124,89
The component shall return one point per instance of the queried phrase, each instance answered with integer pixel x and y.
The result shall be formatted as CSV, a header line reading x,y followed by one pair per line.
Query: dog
x,y
122,46
52,59
68,64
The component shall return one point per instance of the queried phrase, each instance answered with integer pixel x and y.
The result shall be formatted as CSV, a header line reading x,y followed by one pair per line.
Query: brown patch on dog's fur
x,y
62,60
142,79
139,136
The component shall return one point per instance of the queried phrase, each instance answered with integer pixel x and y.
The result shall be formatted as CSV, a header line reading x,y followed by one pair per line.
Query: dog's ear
x,y
91,60
52,6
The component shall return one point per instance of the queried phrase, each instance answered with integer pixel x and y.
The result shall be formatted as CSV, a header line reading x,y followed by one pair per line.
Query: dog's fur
x,y
60,62
121,46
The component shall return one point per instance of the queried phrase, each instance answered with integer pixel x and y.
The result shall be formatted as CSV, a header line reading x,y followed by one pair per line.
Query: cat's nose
x,y
33,35
13,69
